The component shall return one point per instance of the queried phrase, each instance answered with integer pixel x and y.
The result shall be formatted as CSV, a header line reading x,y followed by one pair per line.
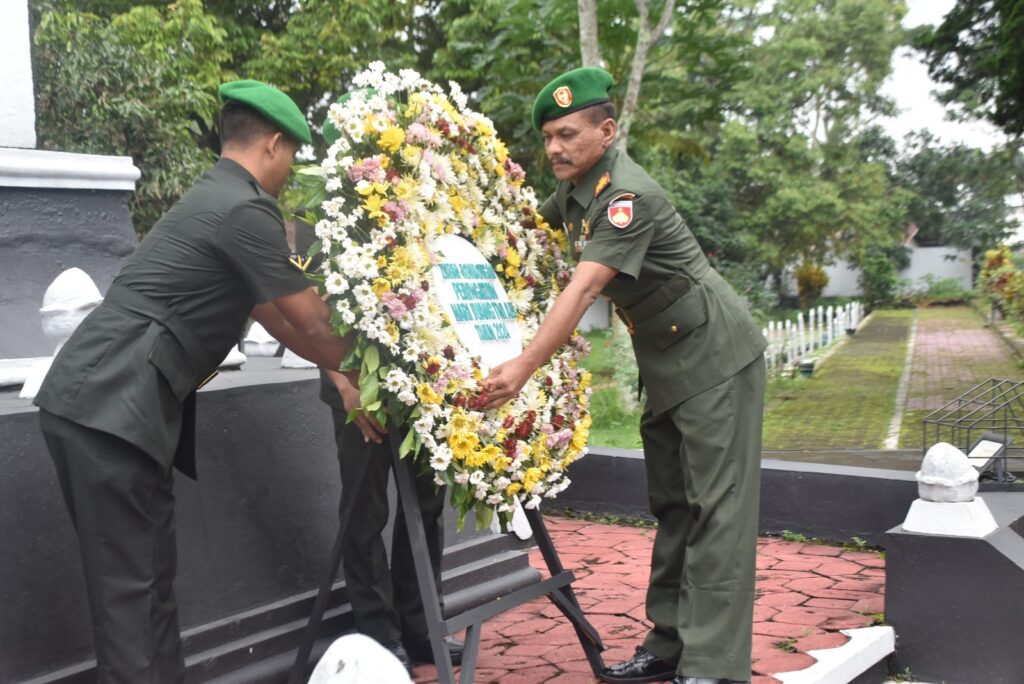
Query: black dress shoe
x,y
644,666
704,680
420,650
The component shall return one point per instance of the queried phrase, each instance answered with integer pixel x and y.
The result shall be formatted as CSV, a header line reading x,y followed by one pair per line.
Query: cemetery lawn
x,y
850,399
615,423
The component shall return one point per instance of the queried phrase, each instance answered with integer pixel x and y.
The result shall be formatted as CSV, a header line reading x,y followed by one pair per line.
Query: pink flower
x,y
395,306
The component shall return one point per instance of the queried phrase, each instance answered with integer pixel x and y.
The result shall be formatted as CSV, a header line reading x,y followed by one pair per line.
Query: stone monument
x,y
67,302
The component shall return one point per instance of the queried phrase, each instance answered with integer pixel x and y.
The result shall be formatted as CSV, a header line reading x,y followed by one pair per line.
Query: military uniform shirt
x,y
701,333
215,254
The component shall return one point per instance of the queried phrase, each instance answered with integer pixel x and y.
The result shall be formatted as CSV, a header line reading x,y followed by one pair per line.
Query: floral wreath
x,y
412,163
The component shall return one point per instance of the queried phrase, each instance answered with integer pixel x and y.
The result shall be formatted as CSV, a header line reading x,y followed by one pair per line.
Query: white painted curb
x,y
867,646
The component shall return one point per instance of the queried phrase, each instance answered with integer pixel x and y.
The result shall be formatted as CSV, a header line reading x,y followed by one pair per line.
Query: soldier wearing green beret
x,y
117,407
701,362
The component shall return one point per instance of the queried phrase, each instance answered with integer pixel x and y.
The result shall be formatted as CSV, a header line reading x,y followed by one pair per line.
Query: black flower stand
x,y
557,587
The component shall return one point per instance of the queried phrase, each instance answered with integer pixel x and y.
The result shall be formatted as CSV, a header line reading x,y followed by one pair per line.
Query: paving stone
x,y
869,606
821,550
843,604
819,641
809,585
783,662
780,599
535,644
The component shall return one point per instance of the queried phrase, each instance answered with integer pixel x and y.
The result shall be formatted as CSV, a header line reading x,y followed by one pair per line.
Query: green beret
x,y
277,107
331,134
572,91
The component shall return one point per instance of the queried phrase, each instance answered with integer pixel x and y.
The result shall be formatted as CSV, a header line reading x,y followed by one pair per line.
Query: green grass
x,y
849,401
614,423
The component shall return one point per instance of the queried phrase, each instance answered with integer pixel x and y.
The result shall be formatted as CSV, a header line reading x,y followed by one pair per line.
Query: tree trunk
x,y
590,49
645,37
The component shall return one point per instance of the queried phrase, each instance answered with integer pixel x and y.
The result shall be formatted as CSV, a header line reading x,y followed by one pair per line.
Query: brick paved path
x,y
806,593
953,352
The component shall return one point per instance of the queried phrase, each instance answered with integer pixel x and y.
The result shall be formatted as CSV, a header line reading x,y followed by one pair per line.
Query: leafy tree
x,y
978,51
959,194
142,84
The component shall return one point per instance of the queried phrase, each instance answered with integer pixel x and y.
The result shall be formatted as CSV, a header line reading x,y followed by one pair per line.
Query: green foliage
x,y
797,537
786,645
879,274
978,52
942,291
142,84
958,194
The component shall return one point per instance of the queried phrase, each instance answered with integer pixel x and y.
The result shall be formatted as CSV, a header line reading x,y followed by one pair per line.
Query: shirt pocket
x,y
675,321
170,359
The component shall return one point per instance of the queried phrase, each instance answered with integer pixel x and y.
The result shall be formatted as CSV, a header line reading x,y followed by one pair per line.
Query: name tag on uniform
x,y
579,245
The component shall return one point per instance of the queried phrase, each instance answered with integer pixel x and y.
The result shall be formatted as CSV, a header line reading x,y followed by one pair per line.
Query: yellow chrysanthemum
x,y
500,151
512,258
463,444
514,488
382,261
380,286
391,139
374,206
532,477
427,395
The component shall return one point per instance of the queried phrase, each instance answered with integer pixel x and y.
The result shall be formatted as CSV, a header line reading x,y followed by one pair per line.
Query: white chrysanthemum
x,y
441,458
335,284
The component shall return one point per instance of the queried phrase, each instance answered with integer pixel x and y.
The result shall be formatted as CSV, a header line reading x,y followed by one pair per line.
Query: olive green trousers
x,y
121,503
385,597
703,461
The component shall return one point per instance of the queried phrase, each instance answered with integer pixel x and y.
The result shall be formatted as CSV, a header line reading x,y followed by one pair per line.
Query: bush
x,y
811,281
942,292
879,278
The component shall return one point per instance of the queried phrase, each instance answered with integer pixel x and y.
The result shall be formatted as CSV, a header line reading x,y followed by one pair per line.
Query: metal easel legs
x,y
557,587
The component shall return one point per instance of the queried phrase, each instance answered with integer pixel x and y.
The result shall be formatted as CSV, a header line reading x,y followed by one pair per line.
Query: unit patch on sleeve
x,y
620,211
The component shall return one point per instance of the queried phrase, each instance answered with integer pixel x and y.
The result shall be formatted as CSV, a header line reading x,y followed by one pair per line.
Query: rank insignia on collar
x,y
602,183
563,96
620,211
300,262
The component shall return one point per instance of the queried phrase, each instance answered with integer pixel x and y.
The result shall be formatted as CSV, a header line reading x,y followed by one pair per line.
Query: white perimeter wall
x,y
939,262
17,104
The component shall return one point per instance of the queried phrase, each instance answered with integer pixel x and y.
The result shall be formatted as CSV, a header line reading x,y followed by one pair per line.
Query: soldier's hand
x,y
348,387
505,382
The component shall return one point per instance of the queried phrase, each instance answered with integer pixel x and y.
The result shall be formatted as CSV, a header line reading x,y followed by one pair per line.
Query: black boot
x,y
644,666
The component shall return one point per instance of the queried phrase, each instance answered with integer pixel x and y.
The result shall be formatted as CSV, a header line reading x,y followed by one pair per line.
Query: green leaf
x,y
315,248
375,406
368,389
407,444
484,514
371,360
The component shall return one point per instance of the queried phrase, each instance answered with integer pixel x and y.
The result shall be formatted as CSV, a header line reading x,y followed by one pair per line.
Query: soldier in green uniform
x,y
385,598
700,357
117,407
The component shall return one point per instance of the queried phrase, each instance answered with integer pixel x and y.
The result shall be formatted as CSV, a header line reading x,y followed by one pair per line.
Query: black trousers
x,y
386,603
122,506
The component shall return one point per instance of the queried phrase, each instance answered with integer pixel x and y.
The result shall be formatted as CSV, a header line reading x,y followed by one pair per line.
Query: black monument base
x,y
955,602
254,536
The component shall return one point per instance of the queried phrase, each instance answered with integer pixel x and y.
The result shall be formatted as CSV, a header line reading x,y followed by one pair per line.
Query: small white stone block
x,y
946,475
258,342
234,359
14,372
293,360
358,659
960,519
66,303
36,373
